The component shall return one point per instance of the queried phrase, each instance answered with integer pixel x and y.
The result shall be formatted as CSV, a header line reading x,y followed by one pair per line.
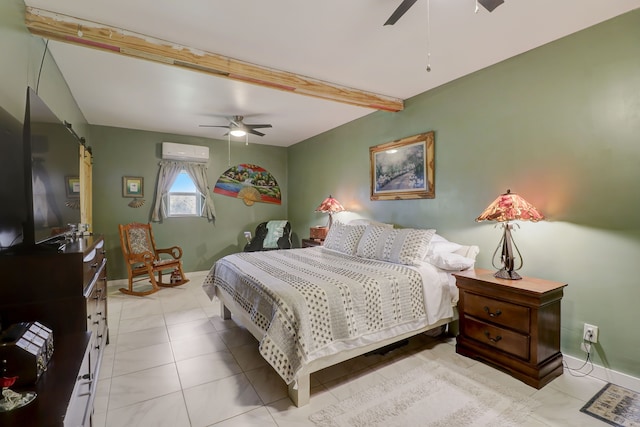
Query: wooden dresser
x,y
66,291
511,324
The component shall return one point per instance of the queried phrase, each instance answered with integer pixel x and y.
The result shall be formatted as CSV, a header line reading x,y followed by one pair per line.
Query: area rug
x,y
615,405
435,394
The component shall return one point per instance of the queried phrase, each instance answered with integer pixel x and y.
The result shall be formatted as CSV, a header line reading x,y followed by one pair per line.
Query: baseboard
x,y
119,283
604,374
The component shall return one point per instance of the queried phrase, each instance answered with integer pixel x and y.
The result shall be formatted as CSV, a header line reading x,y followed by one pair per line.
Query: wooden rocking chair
x,y
143,259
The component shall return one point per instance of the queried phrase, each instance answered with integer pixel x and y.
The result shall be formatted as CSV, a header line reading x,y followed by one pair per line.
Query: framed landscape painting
x,y
404,168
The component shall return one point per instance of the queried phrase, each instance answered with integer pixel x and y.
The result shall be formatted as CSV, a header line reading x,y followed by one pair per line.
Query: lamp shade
x,y
330,206
509,207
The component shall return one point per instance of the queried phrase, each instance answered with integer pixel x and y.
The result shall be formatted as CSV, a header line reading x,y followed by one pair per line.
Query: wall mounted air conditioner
x,y
185,152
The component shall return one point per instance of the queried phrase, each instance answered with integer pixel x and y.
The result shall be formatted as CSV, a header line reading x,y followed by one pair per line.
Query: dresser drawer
x,y
499,338
92,261
496,311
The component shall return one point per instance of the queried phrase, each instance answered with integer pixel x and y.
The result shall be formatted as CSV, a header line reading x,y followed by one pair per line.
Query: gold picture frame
x,y
132,186
404,168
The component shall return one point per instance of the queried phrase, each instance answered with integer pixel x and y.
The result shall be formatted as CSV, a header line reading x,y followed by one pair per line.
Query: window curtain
x,y
168,172
198,173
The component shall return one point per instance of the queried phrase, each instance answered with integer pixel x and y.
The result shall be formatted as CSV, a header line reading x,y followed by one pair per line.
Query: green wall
x,y
125,152
558,125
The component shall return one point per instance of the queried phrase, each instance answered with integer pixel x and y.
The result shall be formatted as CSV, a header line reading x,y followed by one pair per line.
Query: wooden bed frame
x,y
299,390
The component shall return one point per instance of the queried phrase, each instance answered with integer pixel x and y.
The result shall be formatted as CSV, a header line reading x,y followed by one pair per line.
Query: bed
x,y
369,286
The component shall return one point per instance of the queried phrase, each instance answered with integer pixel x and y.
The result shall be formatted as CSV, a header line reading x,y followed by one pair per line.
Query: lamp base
x,y
506,274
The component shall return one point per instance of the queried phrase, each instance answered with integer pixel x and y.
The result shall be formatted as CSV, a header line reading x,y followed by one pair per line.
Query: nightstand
x,y
511,324
308,243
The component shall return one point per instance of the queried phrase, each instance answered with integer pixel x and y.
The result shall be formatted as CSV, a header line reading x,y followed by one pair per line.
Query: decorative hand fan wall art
x,y
251,183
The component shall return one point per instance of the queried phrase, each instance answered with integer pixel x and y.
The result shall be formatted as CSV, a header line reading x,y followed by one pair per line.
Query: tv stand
x,y
66,291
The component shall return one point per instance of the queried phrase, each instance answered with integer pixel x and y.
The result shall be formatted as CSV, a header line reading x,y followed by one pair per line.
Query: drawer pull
x,y
496,314
493,340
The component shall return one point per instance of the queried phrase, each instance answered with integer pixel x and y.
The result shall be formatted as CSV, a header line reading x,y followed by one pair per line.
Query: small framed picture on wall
x,y
132,186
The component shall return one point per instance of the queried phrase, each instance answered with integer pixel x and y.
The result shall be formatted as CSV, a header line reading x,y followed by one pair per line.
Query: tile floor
x,y
172,361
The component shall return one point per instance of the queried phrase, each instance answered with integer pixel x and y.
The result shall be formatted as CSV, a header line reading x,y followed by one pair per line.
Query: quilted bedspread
x,y
306,300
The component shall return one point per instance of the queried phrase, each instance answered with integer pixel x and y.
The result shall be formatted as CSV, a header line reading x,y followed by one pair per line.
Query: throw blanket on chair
x,y
275,230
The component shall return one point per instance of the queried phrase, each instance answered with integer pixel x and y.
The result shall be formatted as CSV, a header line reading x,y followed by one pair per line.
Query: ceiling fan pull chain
x,y
228,149
428,36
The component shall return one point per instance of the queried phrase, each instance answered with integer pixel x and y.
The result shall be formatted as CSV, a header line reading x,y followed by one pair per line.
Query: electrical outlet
x,y
590,333
247,235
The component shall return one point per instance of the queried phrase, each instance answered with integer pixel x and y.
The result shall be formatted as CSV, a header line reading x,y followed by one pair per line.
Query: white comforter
x,y
315,302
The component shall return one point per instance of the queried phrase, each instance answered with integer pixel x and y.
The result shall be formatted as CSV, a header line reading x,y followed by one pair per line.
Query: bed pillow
x,y
344,238
401,246
450,261
439,244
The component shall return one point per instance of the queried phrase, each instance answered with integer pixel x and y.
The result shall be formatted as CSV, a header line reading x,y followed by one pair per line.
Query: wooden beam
x,y
72,30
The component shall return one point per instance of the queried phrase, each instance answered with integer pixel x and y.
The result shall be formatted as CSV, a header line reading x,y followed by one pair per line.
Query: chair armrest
x,y
144,257
174,251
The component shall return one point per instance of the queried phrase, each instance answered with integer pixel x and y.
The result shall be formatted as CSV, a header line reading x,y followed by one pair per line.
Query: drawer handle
x,y
496,314
493,340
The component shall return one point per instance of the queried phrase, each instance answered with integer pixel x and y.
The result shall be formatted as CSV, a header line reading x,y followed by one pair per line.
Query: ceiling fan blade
x,y
401,10
490,4
255,132
257,126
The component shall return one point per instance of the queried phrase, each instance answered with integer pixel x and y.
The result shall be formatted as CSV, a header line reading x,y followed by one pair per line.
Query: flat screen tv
x,y
13,201
53,173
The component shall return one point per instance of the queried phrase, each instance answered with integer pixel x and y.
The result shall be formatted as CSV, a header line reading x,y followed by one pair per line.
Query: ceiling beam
x,y
72,30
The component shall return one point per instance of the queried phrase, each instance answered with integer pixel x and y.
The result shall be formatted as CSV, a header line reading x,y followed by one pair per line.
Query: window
x,y
182,190
183,198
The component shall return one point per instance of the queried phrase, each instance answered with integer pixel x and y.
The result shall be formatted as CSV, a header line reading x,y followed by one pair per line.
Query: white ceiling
x,y
338,41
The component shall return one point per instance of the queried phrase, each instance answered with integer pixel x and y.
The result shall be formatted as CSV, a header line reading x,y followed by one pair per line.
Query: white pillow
x,y
401,246
344,238
450,261
439,244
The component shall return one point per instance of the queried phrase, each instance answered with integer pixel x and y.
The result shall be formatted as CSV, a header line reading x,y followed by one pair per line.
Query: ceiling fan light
x,y
238,132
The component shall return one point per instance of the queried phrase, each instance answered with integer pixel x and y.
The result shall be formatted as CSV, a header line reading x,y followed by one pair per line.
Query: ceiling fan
x,y
238,128
406,5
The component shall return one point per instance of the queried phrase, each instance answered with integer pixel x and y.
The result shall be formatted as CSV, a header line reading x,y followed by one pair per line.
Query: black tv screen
x,y
13,201
54,166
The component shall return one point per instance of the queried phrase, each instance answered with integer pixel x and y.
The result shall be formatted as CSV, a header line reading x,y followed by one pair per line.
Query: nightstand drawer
x,y
496,311
499,338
